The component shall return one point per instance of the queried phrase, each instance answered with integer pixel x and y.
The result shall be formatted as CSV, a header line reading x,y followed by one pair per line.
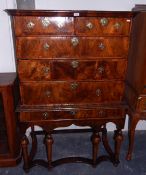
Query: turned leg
x,y
95,138
49,142
25,155
133,120
118,137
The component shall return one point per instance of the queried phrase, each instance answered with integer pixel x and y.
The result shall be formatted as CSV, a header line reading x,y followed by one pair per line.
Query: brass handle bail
x,y
89,25
74,86
74,64
74,41
30,25
98,92
45,115
48,93
104,21
46,70
46,46
101,70
101,46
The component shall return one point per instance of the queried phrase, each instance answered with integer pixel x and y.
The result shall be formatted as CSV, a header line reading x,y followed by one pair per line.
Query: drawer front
x,y
71,114
61,47
71,92
34,70
44,47
103,46
39,70
43,25
89,70
102,26
142,104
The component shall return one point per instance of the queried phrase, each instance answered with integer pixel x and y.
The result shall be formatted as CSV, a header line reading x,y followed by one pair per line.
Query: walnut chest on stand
x,y
71,67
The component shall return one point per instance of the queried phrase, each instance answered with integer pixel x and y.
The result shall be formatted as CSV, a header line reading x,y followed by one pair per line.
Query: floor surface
x,y
80,145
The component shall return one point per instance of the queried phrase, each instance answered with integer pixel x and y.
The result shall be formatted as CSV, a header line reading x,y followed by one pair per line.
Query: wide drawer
x,y
72,114
29,25
64,47
93,26
40,70
34,93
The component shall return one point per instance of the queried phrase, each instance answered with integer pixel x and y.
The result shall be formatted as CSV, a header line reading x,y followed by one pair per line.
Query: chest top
x,y
71,57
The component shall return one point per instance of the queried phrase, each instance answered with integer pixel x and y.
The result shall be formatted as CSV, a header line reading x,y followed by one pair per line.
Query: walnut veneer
x,y
136,79
71,68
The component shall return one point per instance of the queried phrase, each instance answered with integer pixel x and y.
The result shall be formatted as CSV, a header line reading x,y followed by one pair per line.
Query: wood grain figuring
x,y
136,79
33,48
115,26
34,70
71,69
89,70
137,52
71,114
64,70
61,47
56,26
62,92
113,47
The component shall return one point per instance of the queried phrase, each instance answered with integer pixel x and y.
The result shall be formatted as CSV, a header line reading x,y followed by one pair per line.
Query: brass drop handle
x,y
117,25
101,70
104,21
73,112
74,41
74,64
48,93
74,86
46,70
98,92
89,25
30,25
45,21
45,115
101,46
46,46
101,113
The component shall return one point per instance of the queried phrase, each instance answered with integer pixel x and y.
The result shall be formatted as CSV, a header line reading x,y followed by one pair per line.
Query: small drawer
x,y
92,26
89,69
103,46
141,104
72,114
28,25
71,92
45,47
29,70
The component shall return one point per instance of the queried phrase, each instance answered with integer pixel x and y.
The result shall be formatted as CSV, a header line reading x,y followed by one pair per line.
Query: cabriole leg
x,y
133,120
